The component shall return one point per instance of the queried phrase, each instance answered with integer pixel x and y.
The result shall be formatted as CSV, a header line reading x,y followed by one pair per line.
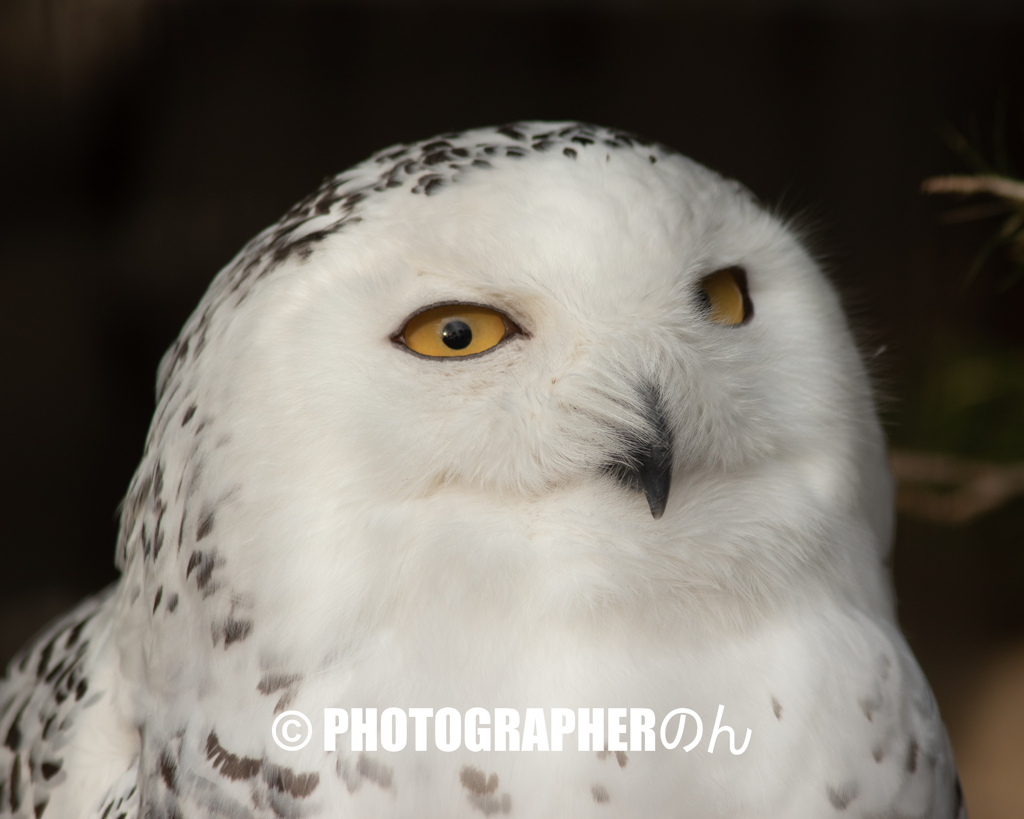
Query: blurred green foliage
x,y
970,402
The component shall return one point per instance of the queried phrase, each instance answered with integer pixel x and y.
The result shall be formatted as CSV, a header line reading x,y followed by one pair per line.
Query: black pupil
x,y
456,335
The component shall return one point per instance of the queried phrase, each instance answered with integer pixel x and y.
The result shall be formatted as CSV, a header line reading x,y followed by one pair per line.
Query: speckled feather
x,y
321,519
50,690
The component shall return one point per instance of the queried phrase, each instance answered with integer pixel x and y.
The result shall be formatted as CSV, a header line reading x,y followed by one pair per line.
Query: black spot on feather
x,y
14,737
377,772
272,683
193,561
51,769
44,658
285,780
476,781
205,525
230,765
841,797
76,632
236,630
168,771
15,783
912,750
510,131
203,564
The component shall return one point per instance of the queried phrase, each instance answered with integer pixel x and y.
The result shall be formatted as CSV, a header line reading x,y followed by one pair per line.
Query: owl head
x,y
546,344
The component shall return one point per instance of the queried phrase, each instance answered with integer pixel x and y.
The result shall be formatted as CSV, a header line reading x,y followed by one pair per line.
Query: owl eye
x,y
451,330
725,297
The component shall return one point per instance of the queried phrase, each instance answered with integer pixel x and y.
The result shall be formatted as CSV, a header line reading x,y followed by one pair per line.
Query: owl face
x,y
605,346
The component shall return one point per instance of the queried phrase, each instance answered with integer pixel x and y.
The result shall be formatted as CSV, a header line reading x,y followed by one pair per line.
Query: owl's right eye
x,y
455,330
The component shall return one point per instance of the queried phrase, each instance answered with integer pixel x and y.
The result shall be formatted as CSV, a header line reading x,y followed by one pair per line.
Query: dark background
x,y
141,144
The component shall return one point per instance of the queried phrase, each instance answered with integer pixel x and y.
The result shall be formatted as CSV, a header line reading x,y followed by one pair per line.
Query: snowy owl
x,y
526,471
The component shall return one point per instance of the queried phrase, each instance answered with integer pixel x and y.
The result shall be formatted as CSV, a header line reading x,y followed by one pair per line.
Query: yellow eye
x,y
727,300
455,330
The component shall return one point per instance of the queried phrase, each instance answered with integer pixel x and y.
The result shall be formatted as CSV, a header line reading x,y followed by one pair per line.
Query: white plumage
x,y
324,518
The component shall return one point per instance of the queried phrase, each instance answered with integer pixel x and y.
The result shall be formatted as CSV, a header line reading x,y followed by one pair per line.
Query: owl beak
x,y
655,474
647,465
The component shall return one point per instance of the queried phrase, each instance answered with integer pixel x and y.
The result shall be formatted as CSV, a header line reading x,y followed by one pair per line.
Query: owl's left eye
x,y
724,297
455,330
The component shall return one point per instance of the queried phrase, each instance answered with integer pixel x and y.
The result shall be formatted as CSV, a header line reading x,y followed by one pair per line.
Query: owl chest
x,y
571,724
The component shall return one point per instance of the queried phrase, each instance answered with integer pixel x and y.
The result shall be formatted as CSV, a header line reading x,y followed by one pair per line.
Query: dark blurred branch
x,y
944,489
